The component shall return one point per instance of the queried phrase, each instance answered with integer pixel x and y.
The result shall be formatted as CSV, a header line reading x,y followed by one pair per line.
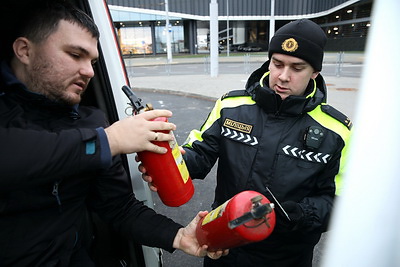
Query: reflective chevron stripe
x,y
306,155
239,136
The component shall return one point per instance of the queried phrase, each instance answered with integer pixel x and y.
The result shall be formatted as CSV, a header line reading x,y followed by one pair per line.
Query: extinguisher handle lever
x,y
257,212
136,102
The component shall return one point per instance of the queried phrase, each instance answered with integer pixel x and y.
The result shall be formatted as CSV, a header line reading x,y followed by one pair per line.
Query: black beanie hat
x,y
301,38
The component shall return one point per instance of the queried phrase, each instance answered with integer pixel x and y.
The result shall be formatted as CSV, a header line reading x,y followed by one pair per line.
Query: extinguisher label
x,y
214,214
180,163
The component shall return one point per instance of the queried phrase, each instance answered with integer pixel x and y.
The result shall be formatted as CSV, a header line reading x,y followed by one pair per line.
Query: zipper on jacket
x,y
55,194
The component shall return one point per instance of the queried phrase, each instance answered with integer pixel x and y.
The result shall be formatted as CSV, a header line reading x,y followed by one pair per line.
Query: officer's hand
x,y
295,214
182,150
186,240
147,178
136,133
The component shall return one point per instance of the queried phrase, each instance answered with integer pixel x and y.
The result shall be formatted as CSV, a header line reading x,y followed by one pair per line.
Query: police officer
x,y
280,138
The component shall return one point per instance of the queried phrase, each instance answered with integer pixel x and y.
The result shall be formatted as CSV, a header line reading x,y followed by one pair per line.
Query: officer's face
x,y
289,75
61,66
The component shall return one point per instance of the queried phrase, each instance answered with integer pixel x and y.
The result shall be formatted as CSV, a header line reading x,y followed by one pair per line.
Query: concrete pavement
x,y
342,91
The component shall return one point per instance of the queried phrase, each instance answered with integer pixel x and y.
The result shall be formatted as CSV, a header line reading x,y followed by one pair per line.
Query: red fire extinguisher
x,y
169,172
245,218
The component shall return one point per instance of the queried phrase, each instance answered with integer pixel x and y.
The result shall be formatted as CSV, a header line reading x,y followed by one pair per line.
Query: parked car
x,y
104,92
252,48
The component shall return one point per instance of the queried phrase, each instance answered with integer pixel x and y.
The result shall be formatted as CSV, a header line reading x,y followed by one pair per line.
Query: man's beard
x,y
43,80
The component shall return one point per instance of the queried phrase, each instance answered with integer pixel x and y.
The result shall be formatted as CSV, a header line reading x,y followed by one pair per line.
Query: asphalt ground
x,y
189,113
191,97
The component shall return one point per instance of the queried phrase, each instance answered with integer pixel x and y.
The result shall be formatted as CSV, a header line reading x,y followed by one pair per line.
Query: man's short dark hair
x,y
43,20
36,20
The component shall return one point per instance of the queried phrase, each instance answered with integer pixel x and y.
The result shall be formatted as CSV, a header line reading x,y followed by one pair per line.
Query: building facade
x,y
243,25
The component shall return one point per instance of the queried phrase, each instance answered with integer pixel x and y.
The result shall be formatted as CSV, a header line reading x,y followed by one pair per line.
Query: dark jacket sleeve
x,y
202,146
54,154
115,203
197,162
317,208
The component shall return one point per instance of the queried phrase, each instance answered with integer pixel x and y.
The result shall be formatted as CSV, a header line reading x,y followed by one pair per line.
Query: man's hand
x,y
186,240
136,133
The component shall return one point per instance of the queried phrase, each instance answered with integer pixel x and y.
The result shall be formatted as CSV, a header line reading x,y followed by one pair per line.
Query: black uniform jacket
x,y
263,143
53,170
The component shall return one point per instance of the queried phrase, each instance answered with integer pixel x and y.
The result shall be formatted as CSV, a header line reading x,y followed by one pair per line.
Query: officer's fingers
x,y
182,150
152,187
147,178
142,169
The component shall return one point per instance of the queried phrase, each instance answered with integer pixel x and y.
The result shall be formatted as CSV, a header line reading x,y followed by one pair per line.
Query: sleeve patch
x,y
90,147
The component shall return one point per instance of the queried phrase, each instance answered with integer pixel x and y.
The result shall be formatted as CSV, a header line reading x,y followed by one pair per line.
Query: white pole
x,y
168,32
227,28
272,20
365,224
214,38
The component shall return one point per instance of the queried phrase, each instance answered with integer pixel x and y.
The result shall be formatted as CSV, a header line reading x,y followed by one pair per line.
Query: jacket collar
x,y
266,98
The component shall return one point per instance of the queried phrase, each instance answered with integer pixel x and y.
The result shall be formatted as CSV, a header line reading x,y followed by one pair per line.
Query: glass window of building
x,y
136,39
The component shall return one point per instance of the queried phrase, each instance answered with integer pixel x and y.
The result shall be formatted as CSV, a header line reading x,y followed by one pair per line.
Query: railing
x,y
339,64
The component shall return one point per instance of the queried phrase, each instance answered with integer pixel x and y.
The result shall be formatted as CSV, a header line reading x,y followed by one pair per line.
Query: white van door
x,y
116,74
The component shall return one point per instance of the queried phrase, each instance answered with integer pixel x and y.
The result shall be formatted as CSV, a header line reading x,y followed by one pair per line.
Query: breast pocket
x,y
306,158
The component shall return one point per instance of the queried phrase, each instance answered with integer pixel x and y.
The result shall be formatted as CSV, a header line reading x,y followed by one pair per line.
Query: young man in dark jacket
x,y
280,138
60,160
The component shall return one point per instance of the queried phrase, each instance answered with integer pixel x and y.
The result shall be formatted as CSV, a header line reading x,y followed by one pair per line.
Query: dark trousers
x,y
278,257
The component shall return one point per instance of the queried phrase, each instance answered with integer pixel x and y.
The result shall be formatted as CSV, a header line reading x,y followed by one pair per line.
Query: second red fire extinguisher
x,y
169,171
245,218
